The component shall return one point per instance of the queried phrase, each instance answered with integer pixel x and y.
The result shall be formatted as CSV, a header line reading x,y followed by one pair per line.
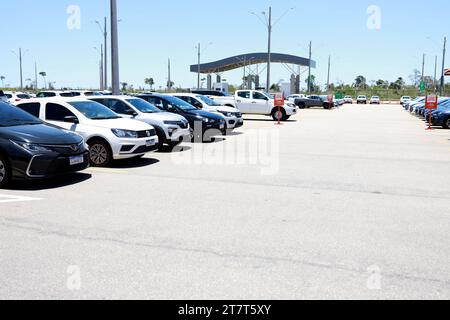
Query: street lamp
x,y
199,53
268,23
115,49
104,31
19,56
102,82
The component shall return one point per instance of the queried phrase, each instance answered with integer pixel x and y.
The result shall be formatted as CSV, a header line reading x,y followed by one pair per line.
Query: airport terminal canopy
x,y
240,61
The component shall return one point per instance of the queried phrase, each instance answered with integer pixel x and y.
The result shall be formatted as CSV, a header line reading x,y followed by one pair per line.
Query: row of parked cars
x,y
439,117
66,131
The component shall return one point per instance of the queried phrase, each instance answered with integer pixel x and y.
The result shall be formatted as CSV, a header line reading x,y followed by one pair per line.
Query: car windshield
x,y
143,106
209,101
269,95
183,105
13,116
94,110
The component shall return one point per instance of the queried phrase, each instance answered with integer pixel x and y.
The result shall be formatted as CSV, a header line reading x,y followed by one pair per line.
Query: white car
x,y
375,100
109,136
405,99
348,99
171,129
233,116
263,103
55,94
14,97
361,100
86,93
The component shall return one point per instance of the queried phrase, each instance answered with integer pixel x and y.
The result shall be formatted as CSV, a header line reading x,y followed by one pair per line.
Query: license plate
x,y
150,143
76,160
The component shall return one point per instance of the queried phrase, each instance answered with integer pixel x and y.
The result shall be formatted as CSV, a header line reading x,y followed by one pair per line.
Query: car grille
x,y
146,133
66,148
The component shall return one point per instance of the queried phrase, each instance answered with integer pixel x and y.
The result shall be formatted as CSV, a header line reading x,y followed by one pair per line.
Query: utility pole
x,y
435,73
328,78
169,82
114,49
102,80
443,67
423,67
269,51
198,67
105,62
35,75
309,68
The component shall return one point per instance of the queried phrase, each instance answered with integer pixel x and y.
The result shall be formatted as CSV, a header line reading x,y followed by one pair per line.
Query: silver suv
x,y
171,129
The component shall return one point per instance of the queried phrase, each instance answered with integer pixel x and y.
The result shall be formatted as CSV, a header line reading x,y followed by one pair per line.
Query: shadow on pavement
x,y
52,183
133,163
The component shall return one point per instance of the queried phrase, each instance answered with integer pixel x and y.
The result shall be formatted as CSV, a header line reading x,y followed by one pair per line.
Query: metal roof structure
x,y
243,60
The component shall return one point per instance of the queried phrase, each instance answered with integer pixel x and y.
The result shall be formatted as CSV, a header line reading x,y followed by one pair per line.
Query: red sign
x,y
279,100
330,99
431,101
447,72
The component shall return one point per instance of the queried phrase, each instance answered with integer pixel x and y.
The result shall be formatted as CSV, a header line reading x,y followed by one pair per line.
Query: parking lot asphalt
x,y
346,204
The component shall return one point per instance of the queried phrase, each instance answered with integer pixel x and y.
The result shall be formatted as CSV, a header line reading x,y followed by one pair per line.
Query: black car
x,y
205,124
32,149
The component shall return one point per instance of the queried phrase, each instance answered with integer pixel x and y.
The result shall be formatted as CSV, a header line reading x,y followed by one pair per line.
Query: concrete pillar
x,y
218,79
293,83
297,84
257,82
209,82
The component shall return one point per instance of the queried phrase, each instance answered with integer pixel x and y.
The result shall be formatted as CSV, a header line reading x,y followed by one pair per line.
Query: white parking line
x,y
4,198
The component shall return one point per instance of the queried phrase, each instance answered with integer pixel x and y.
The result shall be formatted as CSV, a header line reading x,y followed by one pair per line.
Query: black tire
x,y
160,140
302,105
446,123
5,171
100,154
276,116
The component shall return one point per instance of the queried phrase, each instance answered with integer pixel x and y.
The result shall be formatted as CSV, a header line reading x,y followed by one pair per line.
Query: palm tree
x,y
150,82
3,80
124,86
44,74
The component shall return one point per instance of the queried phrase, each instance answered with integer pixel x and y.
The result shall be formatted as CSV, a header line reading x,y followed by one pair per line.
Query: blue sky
x,y
152,31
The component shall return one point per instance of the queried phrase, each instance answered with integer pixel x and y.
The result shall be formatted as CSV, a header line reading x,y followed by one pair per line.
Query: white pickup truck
x,y
257,102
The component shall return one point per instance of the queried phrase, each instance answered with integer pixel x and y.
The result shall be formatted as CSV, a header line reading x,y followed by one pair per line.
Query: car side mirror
x,y
131,112
71,119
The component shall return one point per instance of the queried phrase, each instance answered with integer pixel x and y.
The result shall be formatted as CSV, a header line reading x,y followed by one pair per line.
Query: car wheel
x,y
100,153
278,114
447,124
5,171
302,106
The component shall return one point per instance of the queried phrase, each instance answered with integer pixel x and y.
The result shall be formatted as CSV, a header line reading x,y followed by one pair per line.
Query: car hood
x,y
205,114
125,124
221,108
40,133
160,116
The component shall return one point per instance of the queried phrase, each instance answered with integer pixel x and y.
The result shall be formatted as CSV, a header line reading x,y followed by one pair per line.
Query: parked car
x,y
16,96
313,101
109,136
32,149
348,99
205,124
212,93
441,117
375,100
233,116
405,99
53,94
258,102
292,97
171,128
361,100
85,93
3,97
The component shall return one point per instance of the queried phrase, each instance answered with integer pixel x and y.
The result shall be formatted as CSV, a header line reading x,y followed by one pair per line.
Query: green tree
x,y
360,82
124,86
3,80
150,82
416,77
44,75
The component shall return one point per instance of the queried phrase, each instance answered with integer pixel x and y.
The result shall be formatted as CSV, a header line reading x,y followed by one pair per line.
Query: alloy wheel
x,y
98,154
2,171
448,123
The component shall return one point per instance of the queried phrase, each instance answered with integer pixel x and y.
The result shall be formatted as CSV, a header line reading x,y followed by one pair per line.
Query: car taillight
x,y
17,100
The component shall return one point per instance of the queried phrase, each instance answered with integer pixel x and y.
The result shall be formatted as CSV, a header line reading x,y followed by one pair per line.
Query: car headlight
x,y
124,133
206,120
32,147
227,114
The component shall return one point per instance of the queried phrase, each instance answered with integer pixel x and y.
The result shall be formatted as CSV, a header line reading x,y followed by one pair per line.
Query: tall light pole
x,y
19,56
443,67
104,32
198,67
435,73
102,80
423,67
268,23
114,49
309,68
269,50
328,78
35,75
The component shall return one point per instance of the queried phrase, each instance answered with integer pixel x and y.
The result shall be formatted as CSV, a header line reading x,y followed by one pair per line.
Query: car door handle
x,y
253,102
238,101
